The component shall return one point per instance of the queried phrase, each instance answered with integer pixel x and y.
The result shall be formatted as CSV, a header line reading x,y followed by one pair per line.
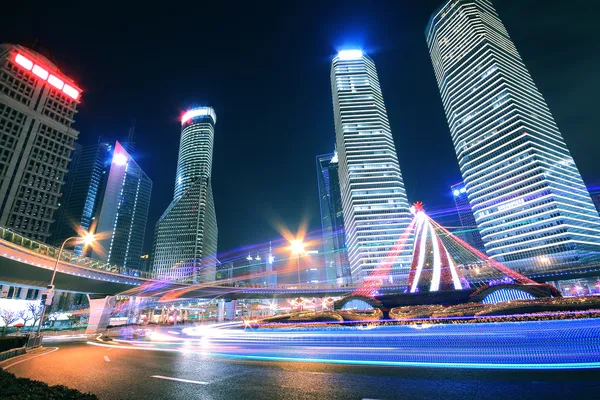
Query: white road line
x,y
106,359
179,380
27,359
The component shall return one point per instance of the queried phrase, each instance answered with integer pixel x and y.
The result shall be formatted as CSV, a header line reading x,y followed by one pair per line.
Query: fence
x,y
5,355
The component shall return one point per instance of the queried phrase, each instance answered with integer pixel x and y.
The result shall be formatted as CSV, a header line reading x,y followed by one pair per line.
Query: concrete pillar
x,y
162,316
100,310
230,308
221,311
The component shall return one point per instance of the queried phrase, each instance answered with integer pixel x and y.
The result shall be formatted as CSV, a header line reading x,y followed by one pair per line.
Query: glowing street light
x,y
297,247
87,239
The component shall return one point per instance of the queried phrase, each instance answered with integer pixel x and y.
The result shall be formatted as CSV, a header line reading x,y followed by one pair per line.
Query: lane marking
x,y
178,380
106,359
30,358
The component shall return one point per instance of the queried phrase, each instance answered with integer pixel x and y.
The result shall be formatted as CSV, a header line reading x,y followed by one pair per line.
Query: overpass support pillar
x,y
230,308
221,311
100,310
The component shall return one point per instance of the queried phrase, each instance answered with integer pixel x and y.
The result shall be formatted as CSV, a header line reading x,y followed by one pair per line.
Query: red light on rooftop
x,y
39,71
56,82
71,91
24,62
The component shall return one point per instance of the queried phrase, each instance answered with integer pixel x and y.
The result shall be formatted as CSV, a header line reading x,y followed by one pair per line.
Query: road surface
x,y
115,373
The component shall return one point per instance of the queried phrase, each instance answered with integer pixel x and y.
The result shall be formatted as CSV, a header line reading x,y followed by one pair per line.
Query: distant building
x,y
38,104
532,208
109,194
83,192
185,238
123,213
376,209
469,232
337,268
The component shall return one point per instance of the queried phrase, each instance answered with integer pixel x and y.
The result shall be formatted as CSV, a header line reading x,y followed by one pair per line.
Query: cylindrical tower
x,y
195,147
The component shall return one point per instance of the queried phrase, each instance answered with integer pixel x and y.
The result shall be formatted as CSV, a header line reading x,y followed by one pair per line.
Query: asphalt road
x,y
113,373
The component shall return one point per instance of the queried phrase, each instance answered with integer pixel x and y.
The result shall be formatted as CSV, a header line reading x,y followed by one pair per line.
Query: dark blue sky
x,y
265,70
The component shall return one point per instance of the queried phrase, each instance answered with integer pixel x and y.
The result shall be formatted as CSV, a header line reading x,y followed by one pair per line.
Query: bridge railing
x,y
68,256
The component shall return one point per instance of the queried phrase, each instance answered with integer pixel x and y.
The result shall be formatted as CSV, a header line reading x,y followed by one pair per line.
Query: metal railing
x,y
34,341
68,256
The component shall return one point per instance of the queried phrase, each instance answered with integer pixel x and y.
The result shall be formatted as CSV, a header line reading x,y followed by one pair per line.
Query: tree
x,y
26,316
8,316
36,312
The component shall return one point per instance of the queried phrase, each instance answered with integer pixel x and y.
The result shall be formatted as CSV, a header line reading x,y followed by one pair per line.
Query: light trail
x,y
554,344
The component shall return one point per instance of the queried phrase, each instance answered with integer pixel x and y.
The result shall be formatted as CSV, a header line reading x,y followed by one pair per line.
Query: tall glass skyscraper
x,y
108,193
122,211
469,232
185,238
532,208
376,210
83,192
337,269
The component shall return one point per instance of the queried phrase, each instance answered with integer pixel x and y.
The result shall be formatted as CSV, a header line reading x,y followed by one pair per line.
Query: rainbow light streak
x,y
422,242
437,262
555,344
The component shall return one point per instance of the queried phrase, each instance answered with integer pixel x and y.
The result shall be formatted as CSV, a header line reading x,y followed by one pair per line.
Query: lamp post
x,y
297,247
87,239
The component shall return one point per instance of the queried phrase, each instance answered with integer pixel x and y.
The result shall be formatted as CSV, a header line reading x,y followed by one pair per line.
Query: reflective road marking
x,y
179,380
106,359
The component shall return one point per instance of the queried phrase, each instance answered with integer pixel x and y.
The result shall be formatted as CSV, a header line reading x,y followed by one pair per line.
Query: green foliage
x,y
13,388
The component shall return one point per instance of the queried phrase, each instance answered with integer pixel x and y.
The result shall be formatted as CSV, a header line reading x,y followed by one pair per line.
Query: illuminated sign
x,y
199,112
350,54
44,75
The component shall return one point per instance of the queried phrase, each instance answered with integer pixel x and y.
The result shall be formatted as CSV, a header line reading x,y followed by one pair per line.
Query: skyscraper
x,y
337,269
469,232
83,192
108,193
185,238
37,108
532,208
123,212
376,210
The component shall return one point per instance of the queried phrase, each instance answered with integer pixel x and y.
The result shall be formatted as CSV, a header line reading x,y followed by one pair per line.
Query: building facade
x,y
83,192
38,104
185,238
375,207
122,212
530,203
337,268
469,231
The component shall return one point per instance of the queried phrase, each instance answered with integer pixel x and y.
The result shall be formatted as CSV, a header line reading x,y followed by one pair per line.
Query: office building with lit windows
x,y
532,208
468,231
374,203
109,194
82,192
185,237
122,214
37,110
337,269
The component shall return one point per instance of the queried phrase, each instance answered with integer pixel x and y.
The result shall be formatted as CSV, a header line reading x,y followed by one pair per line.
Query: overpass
x,y
28,263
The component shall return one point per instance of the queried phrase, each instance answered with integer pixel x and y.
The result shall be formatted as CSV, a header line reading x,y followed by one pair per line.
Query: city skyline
x,y
388,52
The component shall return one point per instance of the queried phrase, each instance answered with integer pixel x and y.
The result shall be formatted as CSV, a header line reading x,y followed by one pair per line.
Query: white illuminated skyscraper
x,y
376,210
530,203
185,238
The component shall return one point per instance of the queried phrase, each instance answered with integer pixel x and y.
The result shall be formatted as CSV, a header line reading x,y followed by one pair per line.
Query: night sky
x,y
264,67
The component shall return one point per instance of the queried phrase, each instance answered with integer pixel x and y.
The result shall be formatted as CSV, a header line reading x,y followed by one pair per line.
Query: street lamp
x,y
297,247
87,239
